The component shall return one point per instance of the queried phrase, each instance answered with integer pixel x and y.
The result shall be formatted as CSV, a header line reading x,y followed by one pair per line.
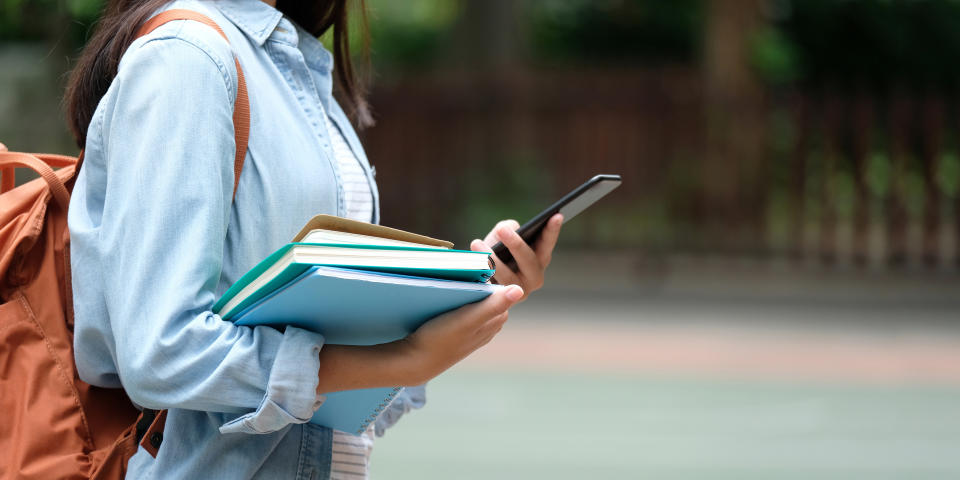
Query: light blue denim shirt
x,y
156,240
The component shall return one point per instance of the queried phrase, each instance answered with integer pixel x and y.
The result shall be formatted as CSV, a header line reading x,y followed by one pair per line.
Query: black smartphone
x,y
570,205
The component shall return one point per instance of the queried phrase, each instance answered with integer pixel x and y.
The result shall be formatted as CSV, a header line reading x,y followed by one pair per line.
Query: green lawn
x,y
508,425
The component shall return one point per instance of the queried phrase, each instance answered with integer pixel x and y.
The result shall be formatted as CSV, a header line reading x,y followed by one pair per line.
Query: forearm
x,y
434,347
349,367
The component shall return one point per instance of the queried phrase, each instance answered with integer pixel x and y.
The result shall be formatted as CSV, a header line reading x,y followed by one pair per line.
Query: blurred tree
x,y
487,36
732,169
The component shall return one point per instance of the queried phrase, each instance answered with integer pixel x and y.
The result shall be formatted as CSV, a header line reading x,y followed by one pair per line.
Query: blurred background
x,y
771,293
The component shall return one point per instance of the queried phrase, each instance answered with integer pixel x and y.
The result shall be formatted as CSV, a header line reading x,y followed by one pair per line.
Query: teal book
x,y
293,259
356,307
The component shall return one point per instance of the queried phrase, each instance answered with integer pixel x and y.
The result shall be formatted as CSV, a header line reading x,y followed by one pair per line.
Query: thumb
x,y
478,245
501,300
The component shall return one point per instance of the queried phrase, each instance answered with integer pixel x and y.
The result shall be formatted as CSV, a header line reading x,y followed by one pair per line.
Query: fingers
x,y
529,267
493,325
491,239
504,275
498,302
548,239
478,245
501,301
492,328
493,313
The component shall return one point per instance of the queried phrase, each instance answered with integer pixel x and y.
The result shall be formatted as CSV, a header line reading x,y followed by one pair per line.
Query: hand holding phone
x,y
569,206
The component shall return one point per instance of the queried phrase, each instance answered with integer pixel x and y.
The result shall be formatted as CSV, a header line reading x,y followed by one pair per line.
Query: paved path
x,y
696,371
735,320
838,343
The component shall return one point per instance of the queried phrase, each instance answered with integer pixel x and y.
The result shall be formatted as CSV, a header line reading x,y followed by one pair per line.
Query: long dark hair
x,y
116,30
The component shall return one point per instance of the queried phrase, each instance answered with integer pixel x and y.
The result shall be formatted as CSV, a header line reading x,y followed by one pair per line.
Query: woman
x,y
157,237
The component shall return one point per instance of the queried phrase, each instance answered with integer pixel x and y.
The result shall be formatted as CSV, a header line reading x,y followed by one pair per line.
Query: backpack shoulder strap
x,y
241,108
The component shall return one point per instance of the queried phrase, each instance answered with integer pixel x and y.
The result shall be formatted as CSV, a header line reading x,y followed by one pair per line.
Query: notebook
x,y
330,223
354,307
293,259
347,238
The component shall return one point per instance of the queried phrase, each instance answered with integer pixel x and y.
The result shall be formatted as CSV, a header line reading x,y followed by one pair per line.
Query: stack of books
x,y
357,284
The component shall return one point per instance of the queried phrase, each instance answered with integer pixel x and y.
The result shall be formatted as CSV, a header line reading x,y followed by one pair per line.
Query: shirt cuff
x,y
410,398
291,389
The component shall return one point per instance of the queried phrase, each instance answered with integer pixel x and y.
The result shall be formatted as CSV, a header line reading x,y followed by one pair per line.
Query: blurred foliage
x,y
616,30
84,9
414,33
48,19
514,188
843,190
864,42
878,174
803,47
948,174
773,56
848,42
408,33
913,190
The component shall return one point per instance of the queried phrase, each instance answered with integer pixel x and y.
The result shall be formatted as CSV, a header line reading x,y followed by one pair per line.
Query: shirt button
x,y
156,439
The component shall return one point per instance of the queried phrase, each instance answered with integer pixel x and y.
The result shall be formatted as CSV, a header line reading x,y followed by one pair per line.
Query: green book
x,y
331,241
293,259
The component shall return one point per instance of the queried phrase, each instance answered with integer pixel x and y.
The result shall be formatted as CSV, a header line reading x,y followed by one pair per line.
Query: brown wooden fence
x,y
899,152
441,136
843,177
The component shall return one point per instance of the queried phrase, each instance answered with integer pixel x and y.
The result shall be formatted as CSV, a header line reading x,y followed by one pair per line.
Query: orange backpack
x,y
52,424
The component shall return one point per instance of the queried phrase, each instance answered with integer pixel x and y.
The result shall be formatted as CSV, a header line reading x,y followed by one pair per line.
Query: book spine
x,y
377,411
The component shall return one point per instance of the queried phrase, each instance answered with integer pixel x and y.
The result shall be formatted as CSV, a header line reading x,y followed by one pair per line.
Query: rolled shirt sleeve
x,y
286,401
152,239
409,399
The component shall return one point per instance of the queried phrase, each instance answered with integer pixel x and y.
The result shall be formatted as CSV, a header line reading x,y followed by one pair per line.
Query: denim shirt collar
x,y
261,22
314,53
254,18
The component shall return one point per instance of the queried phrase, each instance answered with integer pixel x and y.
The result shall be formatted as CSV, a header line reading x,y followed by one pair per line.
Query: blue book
x,y
355,307
291,260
